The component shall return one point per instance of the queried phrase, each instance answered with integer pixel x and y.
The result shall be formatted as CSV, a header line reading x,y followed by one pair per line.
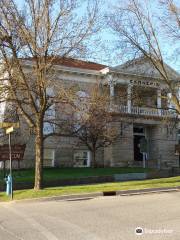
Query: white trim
x,y
89,159
139,75
70,69
105,70
53,158
111,83
159,104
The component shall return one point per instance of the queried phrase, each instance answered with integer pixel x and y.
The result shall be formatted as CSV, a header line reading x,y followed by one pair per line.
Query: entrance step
x,y
150,164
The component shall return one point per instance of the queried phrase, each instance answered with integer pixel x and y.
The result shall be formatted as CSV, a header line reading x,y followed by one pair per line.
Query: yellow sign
x,y
9,130
8,124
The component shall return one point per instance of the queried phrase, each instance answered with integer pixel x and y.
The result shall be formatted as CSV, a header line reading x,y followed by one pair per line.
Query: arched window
x,y
49,119
81,103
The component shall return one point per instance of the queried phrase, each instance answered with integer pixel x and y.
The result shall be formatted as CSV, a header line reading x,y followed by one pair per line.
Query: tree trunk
x,y
39,158
94,165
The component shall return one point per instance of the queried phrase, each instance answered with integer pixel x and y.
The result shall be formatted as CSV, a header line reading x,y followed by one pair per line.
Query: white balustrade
x,y
145,111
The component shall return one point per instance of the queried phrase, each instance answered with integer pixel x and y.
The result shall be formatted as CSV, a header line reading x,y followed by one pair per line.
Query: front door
x,y
138,156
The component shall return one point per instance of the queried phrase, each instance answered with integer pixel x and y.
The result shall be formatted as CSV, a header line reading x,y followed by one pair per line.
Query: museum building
x,y
141,107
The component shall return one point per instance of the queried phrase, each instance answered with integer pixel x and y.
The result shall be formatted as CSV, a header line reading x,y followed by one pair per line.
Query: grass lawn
x,y
56,191
69,173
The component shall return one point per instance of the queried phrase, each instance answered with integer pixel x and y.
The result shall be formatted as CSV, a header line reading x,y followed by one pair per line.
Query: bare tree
x,y
32,41
92,121
141,31
171,14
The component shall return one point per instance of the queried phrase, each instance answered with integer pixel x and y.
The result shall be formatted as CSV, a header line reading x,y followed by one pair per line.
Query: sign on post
x,y
9,153
8,125
9,130
17,152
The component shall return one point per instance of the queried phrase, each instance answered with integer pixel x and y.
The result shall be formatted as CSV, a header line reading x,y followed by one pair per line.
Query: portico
x,y
141,103
140,97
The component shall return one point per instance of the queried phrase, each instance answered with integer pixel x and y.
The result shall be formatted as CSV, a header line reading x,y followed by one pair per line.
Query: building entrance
x,y
138,156
139,134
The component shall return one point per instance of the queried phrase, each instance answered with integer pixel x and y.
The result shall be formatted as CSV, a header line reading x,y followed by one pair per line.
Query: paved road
x,y
108,218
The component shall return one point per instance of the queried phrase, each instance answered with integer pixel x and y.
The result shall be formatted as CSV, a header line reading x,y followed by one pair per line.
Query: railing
x,y
145,111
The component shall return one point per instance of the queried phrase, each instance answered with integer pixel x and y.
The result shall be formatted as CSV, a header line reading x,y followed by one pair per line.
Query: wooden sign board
x,y
16,150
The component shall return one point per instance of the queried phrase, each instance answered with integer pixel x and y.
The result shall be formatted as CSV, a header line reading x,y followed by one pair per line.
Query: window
x,y
82,104
50,114
82,100
81,158
48,126
48,160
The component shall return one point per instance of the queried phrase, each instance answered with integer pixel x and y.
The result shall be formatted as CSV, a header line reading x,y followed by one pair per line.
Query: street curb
x,y
88,196
147,191
70,197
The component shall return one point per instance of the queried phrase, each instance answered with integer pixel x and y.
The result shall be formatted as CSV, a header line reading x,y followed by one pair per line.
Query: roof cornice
x,y
70,69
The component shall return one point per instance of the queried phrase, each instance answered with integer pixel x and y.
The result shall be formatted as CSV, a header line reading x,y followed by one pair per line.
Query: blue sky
x,y
110,55
167,47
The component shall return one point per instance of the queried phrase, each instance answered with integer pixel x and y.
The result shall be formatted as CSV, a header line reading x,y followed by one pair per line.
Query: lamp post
x,y
9,131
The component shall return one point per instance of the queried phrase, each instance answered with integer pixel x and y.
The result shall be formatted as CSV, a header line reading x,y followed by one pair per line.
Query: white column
x,y
171,104
111,89
129,91
159,104
111,83
169,96
88,159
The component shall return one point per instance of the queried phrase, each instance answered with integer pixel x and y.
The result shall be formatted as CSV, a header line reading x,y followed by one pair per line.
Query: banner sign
x,y
17,152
